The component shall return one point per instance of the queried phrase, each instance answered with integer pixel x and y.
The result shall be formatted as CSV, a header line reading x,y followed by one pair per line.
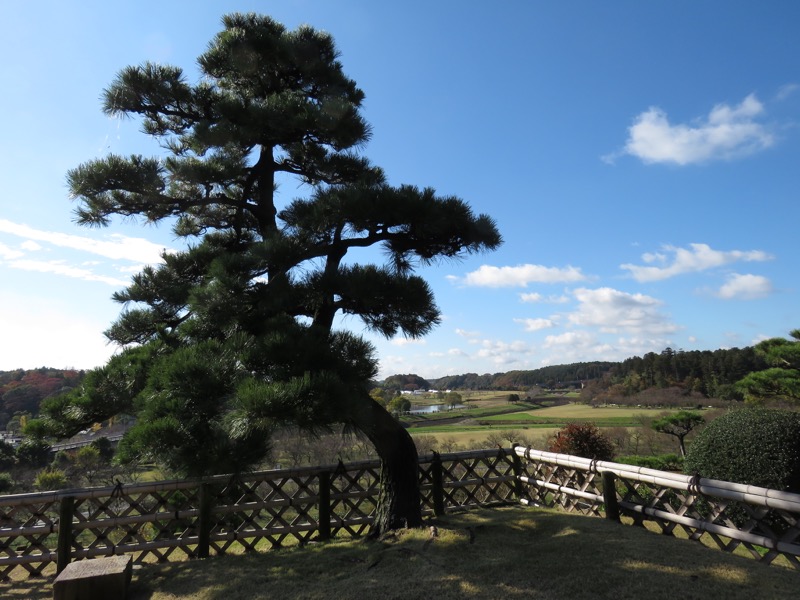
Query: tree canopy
x,y
781,381
235,335
679,425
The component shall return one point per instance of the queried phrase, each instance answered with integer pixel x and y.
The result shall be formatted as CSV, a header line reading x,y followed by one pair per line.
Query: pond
x,y
432,408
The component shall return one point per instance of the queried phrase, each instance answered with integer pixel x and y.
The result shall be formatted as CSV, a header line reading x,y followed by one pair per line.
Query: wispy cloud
x,y
116,247
8,253
467,334
138,252
727,132
695,258
745,287
786,90
536,298
61,268
404,341
522,275
536,324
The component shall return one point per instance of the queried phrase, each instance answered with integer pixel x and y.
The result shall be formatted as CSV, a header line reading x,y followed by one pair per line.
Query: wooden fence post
x,y
516,462
324,519
204,521
438,485
610,496
64,548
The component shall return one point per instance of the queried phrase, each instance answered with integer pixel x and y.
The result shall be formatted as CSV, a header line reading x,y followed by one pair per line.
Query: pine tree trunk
x,y
399,498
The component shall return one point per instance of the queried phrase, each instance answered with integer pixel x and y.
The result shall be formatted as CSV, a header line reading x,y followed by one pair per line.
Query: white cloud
x,y
745,287
30,245
575,346
728,132
698,257
613,311
581,345
522,275
536,298
536,324
503,353
532,297
117,247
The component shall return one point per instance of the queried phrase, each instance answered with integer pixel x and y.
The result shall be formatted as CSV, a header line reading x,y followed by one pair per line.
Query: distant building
x,y
14,439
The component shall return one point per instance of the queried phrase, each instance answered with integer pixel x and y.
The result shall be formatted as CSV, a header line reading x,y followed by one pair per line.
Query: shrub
x,y
33,453
6,483
50,479
582,439
755,446
662,462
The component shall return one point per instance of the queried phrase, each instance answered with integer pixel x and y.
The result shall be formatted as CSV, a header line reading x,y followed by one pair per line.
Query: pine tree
x,y
235,335
781,381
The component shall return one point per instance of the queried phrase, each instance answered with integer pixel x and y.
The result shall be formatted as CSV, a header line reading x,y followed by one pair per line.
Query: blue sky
x,y
641,159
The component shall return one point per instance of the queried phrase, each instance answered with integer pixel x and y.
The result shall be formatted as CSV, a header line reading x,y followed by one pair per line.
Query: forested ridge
x,y
711,373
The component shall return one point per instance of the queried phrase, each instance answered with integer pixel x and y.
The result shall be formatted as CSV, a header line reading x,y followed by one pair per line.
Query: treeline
x,y
551,376
710,373
22,390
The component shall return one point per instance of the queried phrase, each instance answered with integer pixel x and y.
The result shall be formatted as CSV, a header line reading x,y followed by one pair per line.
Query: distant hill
x,y
408,383
22,390
519,380
711,373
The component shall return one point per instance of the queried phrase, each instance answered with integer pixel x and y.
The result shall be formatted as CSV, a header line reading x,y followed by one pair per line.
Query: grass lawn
x,y
501,553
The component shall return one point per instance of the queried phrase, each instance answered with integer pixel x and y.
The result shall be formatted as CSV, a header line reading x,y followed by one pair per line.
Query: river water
x,y
432,408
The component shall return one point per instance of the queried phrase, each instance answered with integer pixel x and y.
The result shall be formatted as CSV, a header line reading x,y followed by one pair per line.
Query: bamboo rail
x,y
765,521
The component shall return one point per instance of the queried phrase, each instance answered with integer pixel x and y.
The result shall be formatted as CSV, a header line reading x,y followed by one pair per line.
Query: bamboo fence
x,y
727,515
172,520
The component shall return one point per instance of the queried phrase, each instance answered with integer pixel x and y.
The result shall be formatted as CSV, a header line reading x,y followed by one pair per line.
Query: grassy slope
x,y
500,553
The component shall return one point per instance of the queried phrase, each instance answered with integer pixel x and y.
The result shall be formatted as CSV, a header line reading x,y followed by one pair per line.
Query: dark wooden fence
x,y
171,520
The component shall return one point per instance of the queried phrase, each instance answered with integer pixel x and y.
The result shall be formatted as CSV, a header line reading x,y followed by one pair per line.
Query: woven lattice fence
x,y
172,520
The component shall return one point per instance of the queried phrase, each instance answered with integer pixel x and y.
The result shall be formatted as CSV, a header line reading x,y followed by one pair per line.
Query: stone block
x,y
106,578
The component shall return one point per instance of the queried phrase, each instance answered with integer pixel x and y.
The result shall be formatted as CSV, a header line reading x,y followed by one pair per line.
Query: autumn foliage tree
x,y
235,335
582,439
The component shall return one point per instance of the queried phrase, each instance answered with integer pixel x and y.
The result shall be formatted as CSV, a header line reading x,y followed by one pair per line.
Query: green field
x,y
535,423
